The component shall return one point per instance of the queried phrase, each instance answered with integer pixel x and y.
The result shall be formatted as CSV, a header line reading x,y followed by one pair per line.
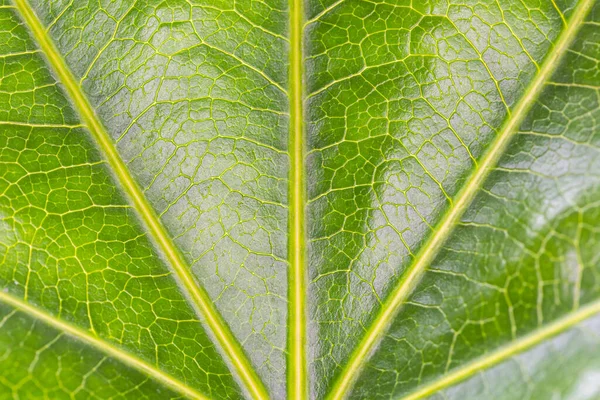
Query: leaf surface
x,y
303,199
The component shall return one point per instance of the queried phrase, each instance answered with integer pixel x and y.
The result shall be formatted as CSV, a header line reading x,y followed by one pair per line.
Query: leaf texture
x,y
303,199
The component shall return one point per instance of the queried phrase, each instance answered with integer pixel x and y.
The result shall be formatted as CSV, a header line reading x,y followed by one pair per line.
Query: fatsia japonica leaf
x,y
303,199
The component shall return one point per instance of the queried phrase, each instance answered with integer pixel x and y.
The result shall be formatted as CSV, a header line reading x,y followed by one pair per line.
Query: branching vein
x,y
414,272
199,296
101,345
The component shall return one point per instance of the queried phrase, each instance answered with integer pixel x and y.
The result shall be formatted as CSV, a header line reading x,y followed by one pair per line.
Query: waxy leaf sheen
x,y
300,199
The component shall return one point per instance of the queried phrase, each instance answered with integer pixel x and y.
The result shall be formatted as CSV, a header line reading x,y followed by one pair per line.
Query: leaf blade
x,y
414,272
518,346
402,104
491,284
102,346
201,299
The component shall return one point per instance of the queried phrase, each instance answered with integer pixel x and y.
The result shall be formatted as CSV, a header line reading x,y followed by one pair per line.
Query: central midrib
x,y
297,362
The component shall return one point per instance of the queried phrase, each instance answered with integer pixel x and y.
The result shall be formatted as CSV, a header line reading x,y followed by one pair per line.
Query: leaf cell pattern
x,y
403,103
72,245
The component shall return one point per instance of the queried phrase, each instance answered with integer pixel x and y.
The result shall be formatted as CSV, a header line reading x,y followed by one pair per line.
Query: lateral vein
x,y
198,295
100,345
414,272
518,346
297,376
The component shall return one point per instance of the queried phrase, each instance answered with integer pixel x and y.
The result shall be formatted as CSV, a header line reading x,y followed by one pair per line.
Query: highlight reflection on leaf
x,y
299,199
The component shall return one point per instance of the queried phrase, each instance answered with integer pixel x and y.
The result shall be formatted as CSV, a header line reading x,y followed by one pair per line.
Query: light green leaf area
x,y
303,199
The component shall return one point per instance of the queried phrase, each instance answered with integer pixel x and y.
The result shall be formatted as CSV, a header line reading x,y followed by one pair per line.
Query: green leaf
x,y
304,199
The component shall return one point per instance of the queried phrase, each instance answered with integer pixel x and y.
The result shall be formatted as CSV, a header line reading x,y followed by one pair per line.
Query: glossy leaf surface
x,y
303,199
